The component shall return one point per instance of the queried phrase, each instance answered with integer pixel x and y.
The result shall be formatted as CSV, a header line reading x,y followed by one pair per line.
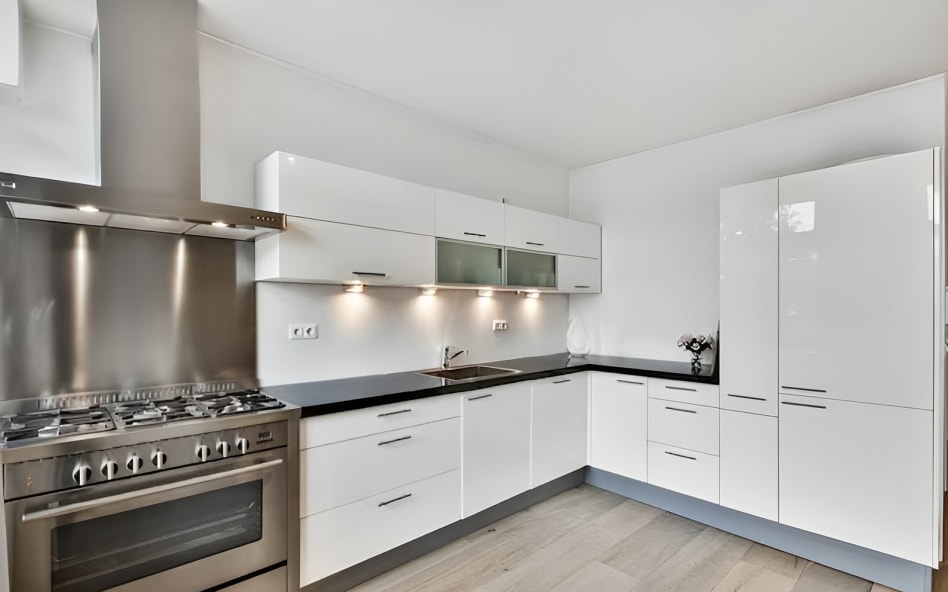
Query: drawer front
x,y
684,425
758,403
340,473
685,471
695,393
335,427
339,538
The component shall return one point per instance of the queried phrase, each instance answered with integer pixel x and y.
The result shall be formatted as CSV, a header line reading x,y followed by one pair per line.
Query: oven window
x,y
100,553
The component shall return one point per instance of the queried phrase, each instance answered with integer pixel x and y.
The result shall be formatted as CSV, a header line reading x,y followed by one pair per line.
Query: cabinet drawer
x,y
336,474
695,393
684,425
339,538
758,403
685,471
335,427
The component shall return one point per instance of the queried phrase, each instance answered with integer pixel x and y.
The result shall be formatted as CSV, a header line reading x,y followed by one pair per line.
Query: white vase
x,y
577,344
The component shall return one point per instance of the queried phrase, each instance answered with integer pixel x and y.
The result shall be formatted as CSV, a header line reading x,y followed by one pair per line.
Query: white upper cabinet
x,y
579,238
300,186
10,45
526,229
468,218
856,281
748,259
326,252
578,275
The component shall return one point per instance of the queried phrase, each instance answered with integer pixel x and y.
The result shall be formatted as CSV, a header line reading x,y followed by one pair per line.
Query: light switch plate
x,y
304,331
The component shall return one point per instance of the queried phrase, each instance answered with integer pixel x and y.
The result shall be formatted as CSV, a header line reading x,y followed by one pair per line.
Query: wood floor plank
x,y
750,577
699,565
598,577
784,564
819,578
881,588
651,546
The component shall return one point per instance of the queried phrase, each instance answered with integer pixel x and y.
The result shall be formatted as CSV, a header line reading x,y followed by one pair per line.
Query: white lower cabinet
x,y
342,537
495,445
860,473
559,427
682,470
618,424
749,463
684,425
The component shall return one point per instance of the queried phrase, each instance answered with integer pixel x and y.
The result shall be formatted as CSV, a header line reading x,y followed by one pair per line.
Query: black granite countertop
x,y
345,394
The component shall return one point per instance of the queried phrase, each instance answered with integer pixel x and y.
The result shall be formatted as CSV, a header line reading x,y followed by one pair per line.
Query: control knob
x,y
109,469
134,463
203,452
159,458
81,474
223,448
243,445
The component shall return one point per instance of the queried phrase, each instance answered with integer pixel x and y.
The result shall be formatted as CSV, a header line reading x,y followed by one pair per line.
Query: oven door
x,y
181,530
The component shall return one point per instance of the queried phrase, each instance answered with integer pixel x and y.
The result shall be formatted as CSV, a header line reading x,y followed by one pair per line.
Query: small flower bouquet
x,y
695,344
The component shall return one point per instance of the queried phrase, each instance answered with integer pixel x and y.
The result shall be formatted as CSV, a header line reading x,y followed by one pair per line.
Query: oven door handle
x,y
130,495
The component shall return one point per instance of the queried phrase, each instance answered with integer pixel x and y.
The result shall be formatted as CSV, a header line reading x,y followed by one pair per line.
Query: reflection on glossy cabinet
x,y
749,463
578,275
496,445
526,229
856,281
860,473
559,427
468,218
748,290
618,424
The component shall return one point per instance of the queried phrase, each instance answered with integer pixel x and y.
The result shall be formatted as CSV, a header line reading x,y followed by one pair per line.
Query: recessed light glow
x,y
89,209
354,288
485,293
429,291
219,224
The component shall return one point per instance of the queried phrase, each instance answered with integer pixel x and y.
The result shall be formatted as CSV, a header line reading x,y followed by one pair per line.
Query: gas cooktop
x,y
51,423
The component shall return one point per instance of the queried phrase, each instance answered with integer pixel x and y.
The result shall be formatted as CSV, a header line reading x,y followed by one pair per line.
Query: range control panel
x,y
124,462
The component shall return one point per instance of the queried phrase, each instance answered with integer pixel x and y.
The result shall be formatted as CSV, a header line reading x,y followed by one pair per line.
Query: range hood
x,y
149,136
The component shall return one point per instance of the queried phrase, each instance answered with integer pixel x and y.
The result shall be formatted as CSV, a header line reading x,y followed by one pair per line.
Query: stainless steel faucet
x,y
448,356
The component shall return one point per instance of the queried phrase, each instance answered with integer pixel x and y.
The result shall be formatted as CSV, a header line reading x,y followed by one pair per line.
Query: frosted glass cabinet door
x,y
531,270
748,252
856,281
465,263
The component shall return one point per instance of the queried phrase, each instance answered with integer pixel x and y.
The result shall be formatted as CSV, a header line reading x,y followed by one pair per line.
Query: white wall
x,y
659,209
251,106
396,329
50,130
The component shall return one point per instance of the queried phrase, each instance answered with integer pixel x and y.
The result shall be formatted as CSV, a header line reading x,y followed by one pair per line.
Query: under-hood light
x,y
220,224
88,209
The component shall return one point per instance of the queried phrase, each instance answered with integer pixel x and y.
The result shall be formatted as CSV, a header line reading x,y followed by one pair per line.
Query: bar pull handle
x,y
682,410
582,287
387,413
475,234
392,501
681,388
629,381
812,406
747,397
480,397
8,184
370,273
680,455
534,244
402,439
800,388
562,381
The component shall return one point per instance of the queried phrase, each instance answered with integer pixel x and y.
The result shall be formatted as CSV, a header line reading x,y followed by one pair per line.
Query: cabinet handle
x,y
681,388
562,381
682,410
392,501
747,397
629,382
584,287
476,234
370,273
800,388
803,405
534,244
403,438
480,397
387,413
680,455
8,184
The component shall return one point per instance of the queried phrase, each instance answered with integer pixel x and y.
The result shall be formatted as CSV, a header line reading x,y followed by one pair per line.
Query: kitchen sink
x,y
472,372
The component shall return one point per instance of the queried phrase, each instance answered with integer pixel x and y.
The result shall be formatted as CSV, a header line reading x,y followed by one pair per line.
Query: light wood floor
x,y
590,540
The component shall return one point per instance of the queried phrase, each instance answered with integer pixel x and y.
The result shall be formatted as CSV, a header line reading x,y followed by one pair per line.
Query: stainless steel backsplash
x,y
89,308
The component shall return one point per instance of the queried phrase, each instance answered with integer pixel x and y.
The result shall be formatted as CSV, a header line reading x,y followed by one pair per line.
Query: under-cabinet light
x,y
530,294
485,293
354,288
429,291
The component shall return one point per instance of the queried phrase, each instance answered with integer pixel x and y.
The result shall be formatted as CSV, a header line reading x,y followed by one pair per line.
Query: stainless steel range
x,y
184,488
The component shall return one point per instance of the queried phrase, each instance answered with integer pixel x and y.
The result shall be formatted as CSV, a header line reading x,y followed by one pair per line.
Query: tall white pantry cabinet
x,y
832,349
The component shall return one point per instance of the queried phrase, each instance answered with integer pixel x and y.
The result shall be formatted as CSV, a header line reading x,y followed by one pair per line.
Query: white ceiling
x,y
582,81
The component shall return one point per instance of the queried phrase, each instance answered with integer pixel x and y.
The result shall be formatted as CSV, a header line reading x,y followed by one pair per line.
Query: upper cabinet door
x,y
468,218
300,186
578,275
857,281
748,252
526,229
579,238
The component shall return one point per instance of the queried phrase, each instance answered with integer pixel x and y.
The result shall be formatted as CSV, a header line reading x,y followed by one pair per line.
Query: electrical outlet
x,y
500,325
304,331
